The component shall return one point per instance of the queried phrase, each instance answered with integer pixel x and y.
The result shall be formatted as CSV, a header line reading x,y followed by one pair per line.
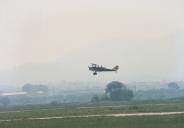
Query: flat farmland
x,y
117,116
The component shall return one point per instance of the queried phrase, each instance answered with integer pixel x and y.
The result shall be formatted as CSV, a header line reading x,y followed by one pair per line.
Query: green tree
x,y
173,85
118,91
114,85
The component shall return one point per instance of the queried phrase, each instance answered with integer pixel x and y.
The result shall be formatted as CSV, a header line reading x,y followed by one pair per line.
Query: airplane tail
x,y
116,68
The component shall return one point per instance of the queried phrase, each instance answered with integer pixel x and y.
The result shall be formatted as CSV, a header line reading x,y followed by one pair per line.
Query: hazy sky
x,y
145,37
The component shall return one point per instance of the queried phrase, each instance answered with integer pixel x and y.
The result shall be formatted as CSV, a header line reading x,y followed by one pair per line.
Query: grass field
x,y
167,121
174,121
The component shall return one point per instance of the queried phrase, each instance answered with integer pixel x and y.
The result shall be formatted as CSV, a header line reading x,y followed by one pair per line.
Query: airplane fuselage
x,y
96,68
100,69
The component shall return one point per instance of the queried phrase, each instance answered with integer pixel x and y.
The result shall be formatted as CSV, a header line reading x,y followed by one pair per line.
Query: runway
x,y
99,115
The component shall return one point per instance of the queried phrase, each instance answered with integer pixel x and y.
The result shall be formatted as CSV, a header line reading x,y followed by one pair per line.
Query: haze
x,y
43,41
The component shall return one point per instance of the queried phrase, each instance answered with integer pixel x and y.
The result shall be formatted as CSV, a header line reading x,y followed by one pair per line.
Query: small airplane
x,y
96,68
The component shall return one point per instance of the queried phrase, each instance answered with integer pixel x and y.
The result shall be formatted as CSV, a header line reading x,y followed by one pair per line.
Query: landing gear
x,y
95,73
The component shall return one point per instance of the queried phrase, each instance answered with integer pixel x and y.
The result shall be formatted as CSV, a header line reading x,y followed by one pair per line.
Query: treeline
x,y
117,91
172,92
113,91
30,88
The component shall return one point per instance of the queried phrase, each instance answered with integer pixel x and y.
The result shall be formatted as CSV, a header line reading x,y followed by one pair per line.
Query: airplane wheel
x,y
94,73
